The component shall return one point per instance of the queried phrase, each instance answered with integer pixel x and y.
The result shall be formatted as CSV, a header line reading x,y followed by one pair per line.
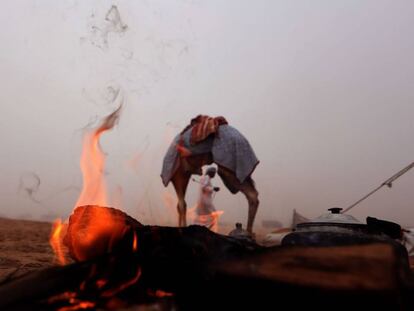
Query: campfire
x,y
92,231
113,242
110,261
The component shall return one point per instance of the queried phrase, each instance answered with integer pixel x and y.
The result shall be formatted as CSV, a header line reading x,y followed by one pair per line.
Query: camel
x,y
228,149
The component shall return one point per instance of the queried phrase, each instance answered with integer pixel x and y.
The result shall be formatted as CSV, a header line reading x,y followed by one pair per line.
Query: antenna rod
x,y
388,183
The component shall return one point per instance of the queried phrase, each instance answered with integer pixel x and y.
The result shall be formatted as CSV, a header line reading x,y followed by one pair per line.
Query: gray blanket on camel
x,y
228,147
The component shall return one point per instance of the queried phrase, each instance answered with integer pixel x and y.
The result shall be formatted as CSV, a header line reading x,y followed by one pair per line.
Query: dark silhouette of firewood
x,y
38,284
197,240
204,270
361,277
355,277
166,256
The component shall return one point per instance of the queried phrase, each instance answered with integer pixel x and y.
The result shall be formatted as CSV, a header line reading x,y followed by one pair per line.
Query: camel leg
x,y
180,181
247,188
252,195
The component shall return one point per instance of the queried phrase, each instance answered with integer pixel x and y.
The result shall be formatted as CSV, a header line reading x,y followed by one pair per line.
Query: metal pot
x,y
336,228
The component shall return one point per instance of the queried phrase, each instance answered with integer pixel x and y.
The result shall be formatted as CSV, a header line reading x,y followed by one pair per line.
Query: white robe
x,y
206,214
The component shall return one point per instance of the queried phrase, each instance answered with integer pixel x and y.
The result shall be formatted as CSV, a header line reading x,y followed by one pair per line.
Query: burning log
x,y
94,231
193,268
153,260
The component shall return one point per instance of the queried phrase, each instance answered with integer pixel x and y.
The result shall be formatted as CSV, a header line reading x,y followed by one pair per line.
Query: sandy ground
x,y
24,246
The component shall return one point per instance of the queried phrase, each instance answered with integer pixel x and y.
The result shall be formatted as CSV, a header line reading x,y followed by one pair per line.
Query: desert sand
x,y
24,247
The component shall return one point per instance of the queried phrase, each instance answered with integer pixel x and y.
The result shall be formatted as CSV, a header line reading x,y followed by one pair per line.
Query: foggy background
x,y
323,90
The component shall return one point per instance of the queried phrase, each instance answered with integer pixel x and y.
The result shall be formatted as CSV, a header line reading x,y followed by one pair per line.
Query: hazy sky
x,y
323,90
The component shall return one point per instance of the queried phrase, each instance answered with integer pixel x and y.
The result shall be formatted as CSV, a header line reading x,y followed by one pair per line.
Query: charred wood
x,y
193,268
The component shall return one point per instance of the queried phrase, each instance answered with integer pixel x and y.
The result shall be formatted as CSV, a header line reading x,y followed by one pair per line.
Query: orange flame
x,y
93,164
209,220
55,240
96,232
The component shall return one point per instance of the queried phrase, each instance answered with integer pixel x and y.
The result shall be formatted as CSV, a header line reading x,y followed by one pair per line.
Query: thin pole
x,y
388,183
363,198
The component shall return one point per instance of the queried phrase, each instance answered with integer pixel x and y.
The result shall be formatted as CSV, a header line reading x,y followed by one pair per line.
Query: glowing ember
x,y
135,243
114,291
81,305
71,297
160,293
101,283
58,231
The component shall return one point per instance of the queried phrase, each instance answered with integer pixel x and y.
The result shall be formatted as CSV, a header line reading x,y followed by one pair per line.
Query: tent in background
x,y
297,219
275,237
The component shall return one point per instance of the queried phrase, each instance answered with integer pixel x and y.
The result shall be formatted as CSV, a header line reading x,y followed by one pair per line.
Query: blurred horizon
x,y
322,90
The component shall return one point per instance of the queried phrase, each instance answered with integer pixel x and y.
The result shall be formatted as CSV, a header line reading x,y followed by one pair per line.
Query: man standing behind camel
x,y
206,214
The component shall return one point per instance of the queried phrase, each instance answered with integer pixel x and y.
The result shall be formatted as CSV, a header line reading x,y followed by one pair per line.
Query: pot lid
x,y
335,216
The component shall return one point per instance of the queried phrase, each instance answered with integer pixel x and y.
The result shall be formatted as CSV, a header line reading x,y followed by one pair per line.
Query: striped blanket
x,y
229,148
204,126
